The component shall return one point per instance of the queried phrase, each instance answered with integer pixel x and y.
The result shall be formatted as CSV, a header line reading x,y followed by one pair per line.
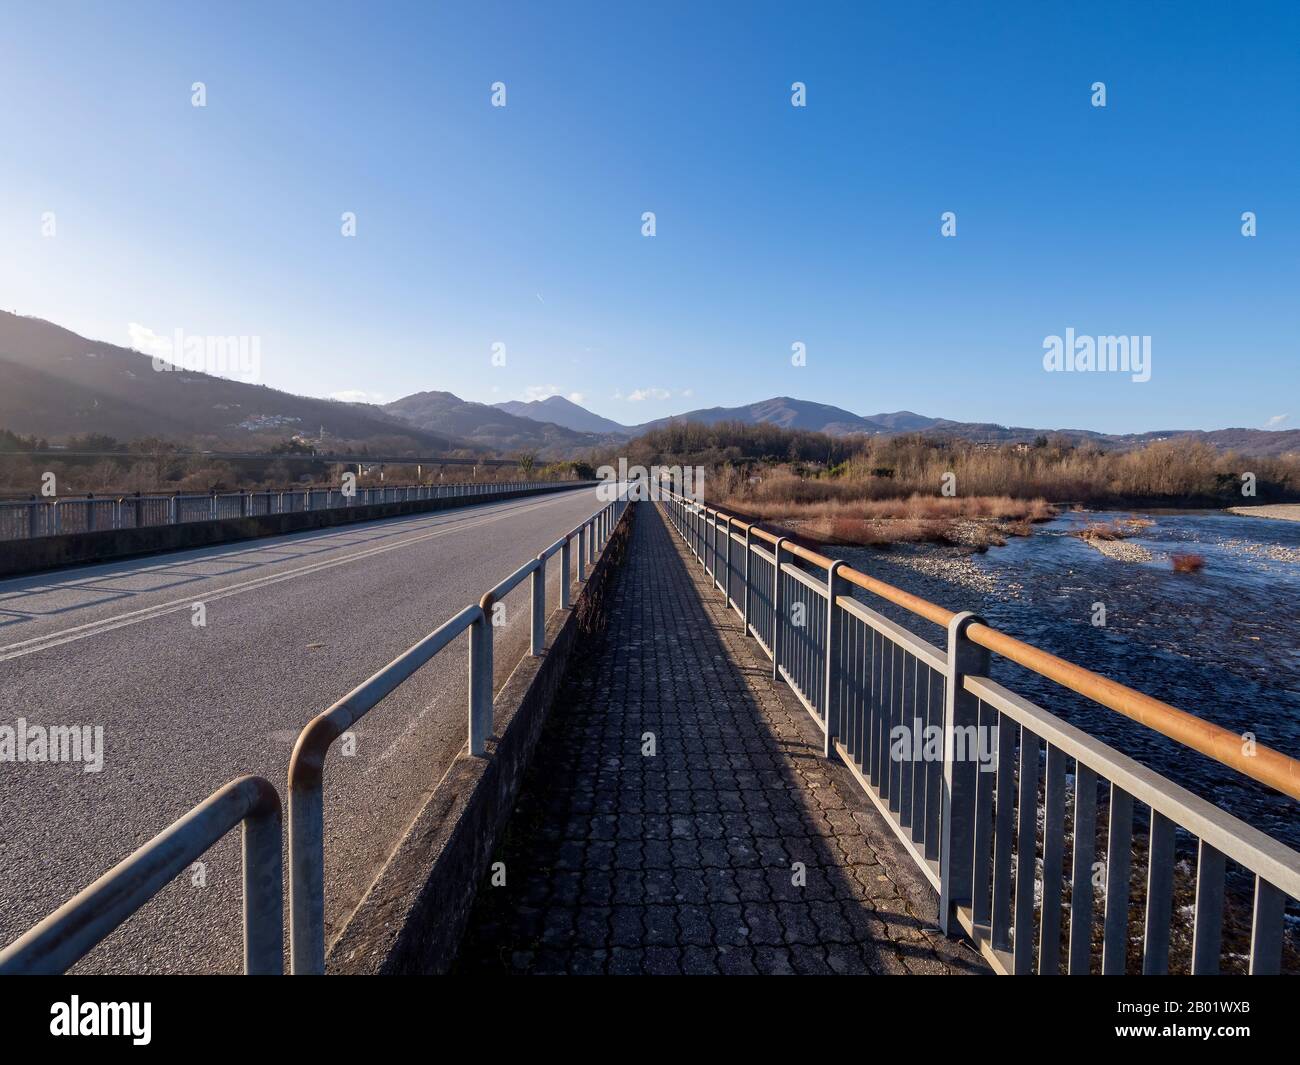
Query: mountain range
x,y
789,413
56,384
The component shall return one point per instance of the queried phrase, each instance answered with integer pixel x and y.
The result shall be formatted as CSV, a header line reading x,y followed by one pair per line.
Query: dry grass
x,y
1101,530
784,500
978,522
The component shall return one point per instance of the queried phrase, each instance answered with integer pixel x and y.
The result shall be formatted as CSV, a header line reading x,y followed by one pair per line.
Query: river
x,y
1223,643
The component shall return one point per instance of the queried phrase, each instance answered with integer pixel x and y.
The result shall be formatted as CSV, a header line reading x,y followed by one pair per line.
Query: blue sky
x,y
522,225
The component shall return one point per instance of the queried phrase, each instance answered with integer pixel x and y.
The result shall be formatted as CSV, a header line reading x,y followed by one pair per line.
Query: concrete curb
x,y
413,916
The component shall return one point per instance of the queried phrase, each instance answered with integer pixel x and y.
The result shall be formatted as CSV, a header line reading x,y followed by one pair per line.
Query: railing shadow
x,y
728,849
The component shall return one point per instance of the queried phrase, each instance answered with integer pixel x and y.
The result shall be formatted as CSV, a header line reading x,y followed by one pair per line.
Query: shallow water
x,y
1223,643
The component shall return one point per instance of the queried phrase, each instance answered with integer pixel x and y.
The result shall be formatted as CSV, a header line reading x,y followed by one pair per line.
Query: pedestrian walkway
x,y
678,816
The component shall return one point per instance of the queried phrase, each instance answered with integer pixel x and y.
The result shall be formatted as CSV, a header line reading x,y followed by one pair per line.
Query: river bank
x,y
1281,511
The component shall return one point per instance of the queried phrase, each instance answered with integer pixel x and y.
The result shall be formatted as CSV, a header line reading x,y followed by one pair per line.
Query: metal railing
x,y
307,765
953,761
71,931
29,519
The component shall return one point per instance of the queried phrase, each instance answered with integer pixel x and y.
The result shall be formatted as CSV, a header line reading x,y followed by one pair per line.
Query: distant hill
x,y
564,412
791,413
55,383
782,411
488,426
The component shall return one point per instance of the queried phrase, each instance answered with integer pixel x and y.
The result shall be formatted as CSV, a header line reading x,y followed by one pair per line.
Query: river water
x,y
1223,643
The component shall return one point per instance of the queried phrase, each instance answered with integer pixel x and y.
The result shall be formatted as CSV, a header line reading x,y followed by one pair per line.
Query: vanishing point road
x,y
292,623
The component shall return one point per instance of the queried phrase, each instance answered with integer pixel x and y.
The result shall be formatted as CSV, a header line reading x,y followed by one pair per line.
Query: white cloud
x,y
1277,419
648,393
357,395
146,340
535,392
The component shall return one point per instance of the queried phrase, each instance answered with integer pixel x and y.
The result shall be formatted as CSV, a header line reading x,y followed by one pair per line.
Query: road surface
x,y
292,623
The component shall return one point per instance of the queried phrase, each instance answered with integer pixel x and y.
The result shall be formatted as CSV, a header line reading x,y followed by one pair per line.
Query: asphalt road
x,y
292,624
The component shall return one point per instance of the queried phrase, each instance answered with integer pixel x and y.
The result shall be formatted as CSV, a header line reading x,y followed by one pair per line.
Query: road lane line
x,y
134,617
378,529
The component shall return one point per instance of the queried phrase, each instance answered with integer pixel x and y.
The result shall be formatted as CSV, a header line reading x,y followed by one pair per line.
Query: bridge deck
x,y
685,861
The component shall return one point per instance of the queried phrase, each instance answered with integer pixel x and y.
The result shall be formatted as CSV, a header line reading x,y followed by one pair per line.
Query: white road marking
x,y
134,617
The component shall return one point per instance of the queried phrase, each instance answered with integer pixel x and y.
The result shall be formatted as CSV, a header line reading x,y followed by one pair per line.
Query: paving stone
x,y
685,861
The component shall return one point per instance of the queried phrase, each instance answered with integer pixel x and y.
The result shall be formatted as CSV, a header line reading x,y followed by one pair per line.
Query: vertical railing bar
x,y
1207,924
1160,894
1266,929
907,706
1081,891
745,611
832,658
1004,812
1022,936
982,862
934,770
565,576
538,626
778,609
1049,937
1119,857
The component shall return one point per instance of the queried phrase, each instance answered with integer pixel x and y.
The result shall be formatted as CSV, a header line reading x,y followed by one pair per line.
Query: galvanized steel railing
x,y
29,519
68,934
71,931
306,768
919,725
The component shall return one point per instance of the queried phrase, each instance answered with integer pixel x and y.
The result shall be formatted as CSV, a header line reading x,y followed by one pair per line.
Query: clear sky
x,y
522,224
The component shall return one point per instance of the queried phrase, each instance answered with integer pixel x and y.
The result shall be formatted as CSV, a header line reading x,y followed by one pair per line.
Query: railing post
x,y
582,553
744,610
711,544
480,680
726,566
264,892
957,805
564,574
834,622
778,609
306,875
539,608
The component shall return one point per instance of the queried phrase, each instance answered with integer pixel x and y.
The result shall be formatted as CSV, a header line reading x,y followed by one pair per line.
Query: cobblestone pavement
x,y
733,848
